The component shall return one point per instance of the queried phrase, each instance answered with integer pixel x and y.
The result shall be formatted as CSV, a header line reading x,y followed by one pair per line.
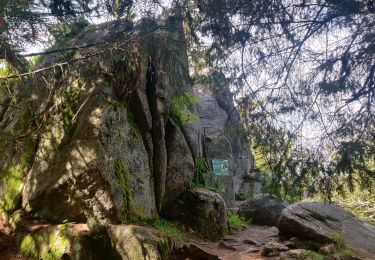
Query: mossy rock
x,y
66,241
139,242
203,210
51,243
11,183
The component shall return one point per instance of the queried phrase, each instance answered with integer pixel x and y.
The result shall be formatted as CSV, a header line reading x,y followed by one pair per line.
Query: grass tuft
x,y
235,222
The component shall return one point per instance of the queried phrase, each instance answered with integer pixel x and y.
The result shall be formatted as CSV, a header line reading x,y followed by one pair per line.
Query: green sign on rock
x,y
220,167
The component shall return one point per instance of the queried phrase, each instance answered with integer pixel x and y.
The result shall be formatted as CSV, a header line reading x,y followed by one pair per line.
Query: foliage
x,y
201,168
315,256
66,30
26,23
240,196
306,76
236,222
22,23
348,252
205,178
340,245
178,114
167,228
338,240
360,203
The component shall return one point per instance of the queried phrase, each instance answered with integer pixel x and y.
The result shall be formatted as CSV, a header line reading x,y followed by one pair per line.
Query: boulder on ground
x,y
139,242
263,210
273,249
295,254
324,222
204,211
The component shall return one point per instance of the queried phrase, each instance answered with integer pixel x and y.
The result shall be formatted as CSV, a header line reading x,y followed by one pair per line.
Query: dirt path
x,y
242,245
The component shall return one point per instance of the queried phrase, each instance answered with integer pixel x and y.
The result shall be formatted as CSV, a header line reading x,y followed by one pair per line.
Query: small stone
x,y
230,239
273,249
295,254
291,244
327,249
294,239
273,230
252,241
222,245
251,250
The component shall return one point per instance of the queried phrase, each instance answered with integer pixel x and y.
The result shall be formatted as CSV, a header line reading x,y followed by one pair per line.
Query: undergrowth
x,y
178,114
236,222
166,227
201,168
315,255
205,178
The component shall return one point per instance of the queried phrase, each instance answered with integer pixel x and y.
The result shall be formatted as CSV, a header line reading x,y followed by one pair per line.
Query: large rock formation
x,y
92,138
328,223
100,147
223,137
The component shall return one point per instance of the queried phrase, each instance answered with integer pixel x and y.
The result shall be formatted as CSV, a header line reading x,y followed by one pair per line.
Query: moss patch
x,y
11,178
134,129
130,212
71,98
47,244
315,256
168,229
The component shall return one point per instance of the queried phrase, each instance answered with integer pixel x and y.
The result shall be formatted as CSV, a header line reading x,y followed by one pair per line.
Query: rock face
x,y
263,210
106,150
252,185
222,135
204,211
96,138
180,170
326,223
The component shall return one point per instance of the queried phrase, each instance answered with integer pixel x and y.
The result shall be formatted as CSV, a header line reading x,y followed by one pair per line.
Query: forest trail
x,y
244,244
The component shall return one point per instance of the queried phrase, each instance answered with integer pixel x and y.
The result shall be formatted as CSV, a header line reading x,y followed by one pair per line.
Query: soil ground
x,y
236,245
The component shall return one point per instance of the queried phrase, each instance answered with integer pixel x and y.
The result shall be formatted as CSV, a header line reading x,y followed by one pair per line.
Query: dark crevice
x,y
158,135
